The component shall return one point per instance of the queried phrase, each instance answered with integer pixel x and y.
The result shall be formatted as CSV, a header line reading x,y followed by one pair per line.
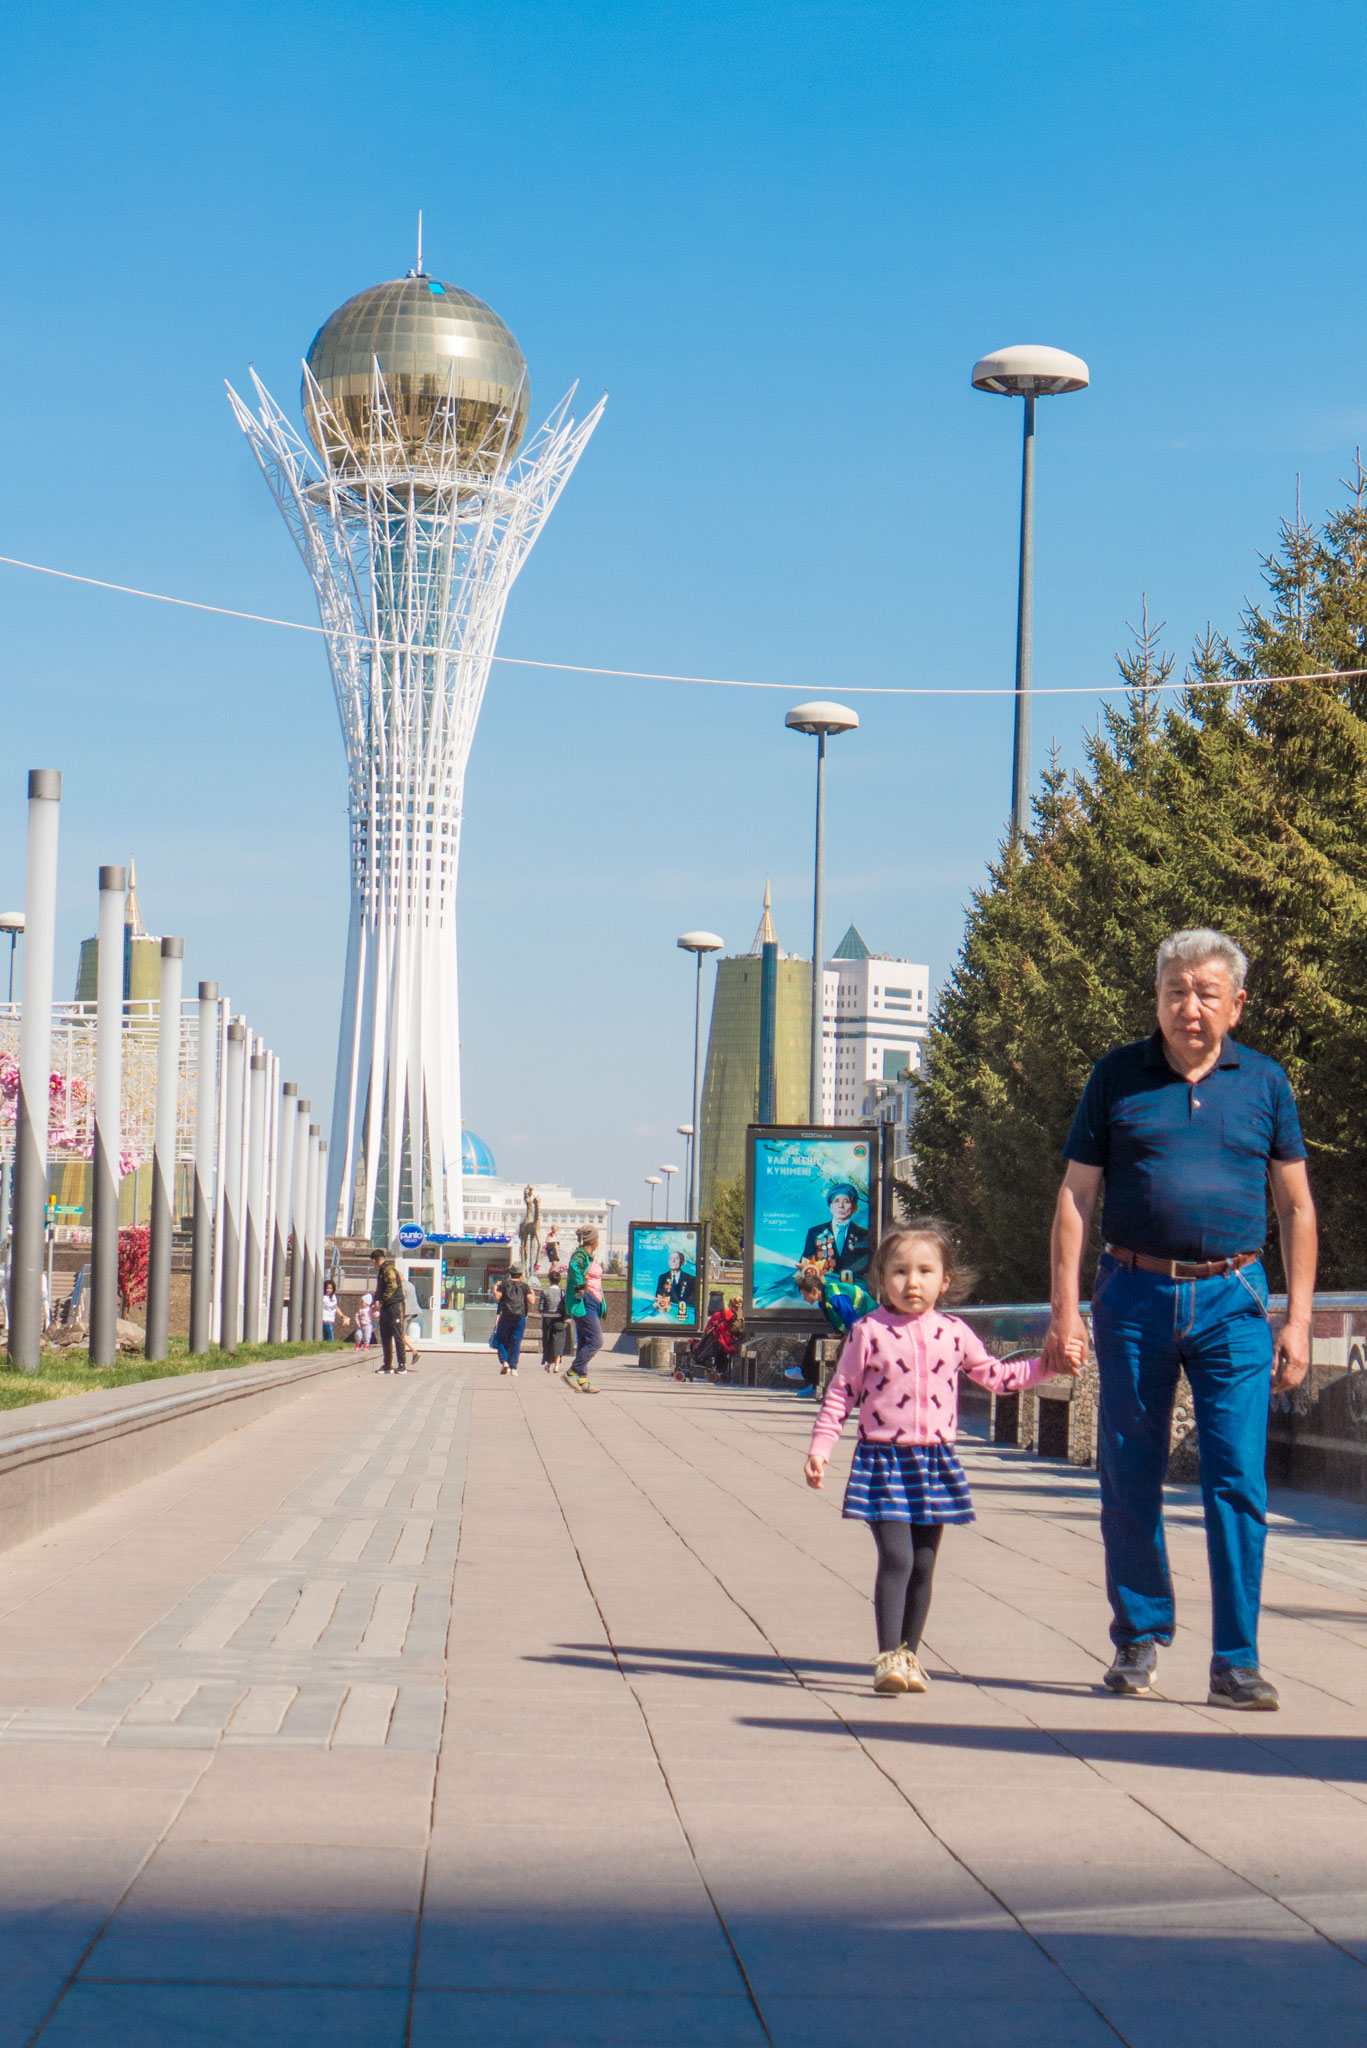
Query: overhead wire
x,y
641,675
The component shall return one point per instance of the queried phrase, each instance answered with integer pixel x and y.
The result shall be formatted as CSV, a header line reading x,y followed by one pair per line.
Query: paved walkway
x,y
450,1710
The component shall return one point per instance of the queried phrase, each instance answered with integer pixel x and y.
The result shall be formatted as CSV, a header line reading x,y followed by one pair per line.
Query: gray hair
x,y
1195,948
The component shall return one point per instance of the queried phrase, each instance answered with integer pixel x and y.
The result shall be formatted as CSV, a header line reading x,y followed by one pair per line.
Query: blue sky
x,y
778,236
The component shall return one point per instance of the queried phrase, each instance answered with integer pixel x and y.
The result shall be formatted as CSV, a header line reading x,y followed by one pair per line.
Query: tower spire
x,y
766,935
132,914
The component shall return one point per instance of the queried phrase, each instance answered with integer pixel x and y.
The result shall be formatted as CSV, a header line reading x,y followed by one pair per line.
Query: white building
x,y
493,1206
876,1019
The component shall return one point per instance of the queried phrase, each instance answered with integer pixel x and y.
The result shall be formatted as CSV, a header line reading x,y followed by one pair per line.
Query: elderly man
x,y
1185,1129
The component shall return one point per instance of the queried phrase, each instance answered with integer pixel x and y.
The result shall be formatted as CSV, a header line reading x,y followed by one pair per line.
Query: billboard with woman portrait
x,y
665,1286
810,1202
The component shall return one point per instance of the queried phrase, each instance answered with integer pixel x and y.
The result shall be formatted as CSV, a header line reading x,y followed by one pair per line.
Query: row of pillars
x,y
260,1168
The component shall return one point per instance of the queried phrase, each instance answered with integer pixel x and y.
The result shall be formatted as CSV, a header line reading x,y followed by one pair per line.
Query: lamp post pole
x,y
206,1146
163,1219
1029,372
652,1182
696,943
104,1191
28,1227
685,1131
669,1173
819,720
611,1208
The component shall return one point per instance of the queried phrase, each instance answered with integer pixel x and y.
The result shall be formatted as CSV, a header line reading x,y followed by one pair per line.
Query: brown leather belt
x,y
1181,1269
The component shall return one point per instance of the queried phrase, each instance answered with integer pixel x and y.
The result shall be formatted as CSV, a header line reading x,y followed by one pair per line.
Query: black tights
x,y
905,1581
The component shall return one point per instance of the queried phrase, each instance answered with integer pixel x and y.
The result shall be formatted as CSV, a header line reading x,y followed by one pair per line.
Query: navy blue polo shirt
x,y
1185,1161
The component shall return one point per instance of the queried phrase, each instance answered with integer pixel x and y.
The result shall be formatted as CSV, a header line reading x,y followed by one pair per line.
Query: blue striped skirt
x,y
907,1483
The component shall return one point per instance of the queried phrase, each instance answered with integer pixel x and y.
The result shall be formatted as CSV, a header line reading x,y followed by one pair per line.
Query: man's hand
x,y
814,1471
1072,1354
1290,1356
1065,1347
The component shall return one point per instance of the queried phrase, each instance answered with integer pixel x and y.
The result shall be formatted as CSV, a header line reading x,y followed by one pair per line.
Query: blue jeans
x,y
1145,1327
588,1331
508,1339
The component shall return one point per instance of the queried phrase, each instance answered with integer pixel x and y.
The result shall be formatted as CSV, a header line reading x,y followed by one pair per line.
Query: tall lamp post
x,y
1027,371
820,720
669,1173
12,923
652,1182
696,943
611,1208
685,1131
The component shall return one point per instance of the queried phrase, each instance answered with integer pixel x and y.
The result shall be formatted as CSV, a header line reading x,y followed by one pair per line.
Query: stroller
x,y
710,1356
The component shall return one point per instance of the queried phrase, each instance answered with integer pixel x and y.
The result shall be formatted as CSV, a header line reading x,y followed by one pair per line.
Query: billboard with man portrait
x,y
810,1205
664,1287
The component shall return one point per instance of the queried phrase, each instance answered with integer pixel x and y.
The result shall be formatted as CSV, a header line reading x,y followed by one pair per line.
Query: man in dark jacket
x,y
389,1311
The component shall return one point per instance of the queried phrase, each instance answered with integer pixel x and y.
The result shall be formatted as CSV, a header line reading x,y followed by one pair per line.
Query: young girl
x,y
900,1368
365,1322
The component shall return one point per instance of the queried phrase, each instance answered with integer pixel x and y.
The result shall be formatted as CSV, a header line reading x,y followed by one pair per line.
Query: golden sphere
x,y
452,371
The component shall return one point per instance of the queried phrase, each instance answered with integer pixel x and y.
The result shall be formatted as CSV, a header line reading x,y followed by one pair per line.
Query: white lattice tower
x,y
412,556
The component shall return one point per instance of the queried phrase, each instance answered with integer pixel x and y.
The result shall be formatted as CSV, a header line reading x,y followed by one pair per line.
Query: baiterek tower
x,y
413,503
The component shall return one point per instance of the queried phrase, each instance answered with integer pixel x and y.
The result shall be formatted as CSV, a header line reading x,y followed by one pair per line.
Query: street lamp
x,y
668,1172
1027,371
696,943
652,1182
610,1206
685,1131
821,720
12,921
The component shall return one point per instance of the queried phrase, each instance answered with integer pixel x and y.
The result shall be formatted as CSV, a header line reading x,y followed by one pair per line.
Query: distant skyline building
x,y
413,511
494,1206
141,955
875,1022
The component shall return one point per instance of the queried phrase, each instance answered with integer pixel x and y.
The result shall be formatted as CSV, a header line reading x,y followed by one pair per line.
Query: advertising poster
x,y
663,1289
809,1193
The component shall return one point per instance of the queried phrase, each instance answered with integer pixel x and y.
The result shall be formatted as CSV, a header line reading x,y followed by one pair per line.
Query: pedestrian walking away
x,y
513,1297
1185,1129
900,1370
556,1326
389,1302
412,1320
584,1300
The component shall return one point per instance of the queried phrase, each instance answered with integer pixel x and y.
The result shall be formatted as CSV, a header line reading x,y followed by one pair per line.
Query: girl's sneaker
x,y
889,1671
917,1679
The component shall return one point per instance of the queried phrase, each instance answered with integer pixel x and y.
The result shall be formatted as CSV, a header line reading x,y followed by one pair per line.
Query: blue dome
x,y
475,1156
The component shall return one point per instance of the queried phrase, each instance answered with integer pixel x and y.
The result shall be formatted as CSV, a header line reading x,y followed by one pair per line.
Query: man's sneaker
x,y
1242,1685
805,1393
793,1372
502,1369
890,1671
1133,1670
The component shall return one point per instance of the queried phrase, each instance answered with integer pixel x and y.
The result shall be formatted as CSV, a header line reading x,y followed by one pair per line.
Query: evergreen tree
x,y
1244,807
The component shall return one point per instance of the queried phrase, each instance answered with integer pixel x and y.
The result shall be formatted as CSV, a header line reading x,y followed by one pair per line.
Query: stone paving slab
x,y
455,1709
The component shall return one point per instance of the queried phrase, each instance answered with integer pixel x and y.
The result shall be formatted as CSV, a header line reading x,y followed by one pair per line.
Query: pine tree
x,y
1244,807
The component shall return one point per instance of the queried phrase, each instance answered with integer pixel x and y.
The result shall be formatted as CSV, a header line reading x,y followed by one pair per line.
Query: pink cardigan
x,y
902,1374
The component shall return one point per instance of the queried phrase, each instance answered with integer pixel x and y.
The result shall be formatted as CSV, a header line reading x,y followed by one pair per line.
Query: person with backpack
x,y
555,1322
512,1298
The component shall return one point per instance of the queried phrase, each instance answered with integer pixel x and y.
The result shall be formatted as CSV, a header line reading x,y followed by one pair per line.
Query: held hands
x,y
814,1471
1065,1347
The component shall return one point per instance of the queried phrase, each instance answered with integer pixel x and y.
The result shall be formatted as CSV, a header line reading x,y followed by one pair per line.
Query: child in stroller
x,y
714,1350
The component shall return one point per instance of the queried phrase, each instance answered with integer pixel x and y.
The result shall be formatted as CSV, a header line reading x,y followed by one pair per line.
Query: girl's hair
x,y
934,1230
